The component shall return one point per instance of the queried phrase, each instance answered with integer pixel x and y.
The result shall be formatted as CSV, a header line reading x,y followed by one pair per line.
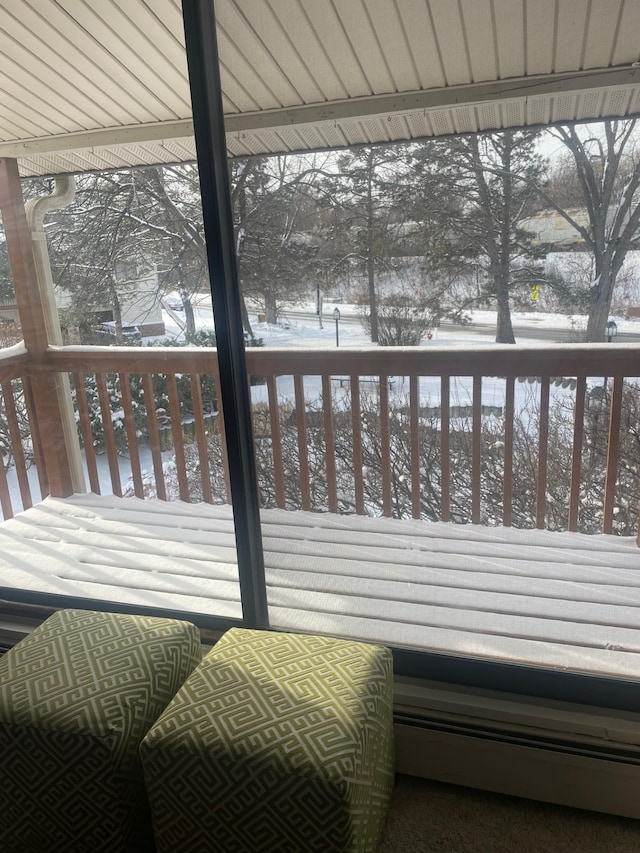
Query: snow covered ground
x,y
305,331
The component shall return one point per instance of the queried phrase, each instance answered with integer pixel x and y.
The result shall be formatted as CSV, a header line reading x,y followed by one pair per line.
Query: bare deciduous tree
x,y
607,167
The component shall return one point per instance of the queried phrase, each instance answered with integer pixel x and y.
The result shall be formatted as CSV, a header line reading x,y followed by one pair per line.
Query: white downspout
x,y
36,209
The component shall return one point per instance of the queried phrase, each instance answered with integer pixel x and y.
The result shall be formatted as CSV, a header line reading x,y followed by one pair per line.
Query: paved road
x,y
524,334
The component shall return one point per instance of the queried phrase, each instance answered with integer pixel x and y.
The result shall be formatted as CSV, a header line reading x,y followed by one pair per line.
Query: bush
x,y
402,322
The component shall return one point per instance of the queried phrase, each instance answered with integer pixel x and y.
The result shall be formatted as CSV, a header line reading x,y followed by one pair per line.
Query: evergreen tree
x,y
497,177
362,192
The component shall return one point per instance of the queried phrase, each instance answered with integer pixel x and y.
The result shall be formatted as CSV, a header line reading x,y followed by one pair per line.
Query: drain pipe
x,y
36,209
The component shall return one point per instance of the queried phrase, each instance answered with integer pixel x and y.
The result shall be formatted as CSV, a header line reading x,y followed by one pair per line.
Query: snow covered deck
x,y
557,599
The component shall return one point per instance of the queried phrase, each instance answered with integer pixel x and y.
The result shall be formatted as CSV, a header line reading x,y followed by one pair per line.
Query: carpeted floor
x,y
430,817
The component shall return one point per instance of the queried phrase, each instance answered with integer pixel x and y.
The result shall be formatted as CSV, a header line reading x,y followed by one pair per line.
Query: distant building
x,y
140,302
552,228
139,297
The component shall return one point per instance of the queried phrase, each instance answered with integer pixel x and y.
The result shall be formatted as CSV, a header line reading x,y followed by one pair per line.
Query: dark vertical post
x,y
206,100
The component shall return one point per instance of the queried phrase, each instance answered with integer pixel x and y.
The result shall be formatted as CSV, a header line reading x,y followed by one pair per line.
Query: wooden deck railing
x,y
406,433
584,370
19,439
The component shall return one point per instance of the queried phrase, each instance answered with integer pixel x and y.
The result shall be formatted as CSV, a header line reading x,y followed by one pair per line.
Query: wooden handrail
x,y
14,362
497,360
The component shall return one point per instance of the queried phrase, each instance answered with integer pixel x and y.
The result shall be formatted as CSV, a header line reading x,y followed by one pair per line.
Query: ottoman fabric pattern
x,y
276,742
76,698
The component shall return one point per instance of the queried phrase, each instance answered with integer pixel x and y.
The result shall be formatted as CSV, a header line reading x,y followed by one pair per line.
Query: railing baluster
x,y
201,439
154,435
576,453
36,439
476,447
87,435
356,430
445,451
509,413
109,437
276,441
543,453
132,438
330,456
385,445
414,426
613,448
16,445
5,496
178,439
223,434
303,453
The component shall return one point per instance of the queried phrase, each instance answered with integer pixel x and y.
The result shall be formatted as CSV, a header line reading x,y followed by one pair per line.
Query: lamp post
x,y
336,317
597,399
611,332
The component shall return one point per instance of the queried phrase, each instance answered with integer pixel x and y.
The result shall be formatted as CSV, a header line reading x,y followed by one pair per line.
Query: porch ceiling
x,y
87,85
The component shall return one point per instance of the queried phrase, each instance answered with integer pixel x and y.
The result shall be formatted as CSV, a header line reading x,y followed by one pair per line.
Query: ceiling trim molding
x,y
335,112
99,138
432,99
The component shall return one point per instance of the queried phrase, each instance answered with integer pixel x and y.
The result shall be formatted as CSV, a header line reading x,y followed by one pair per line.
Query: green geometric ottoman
x,y
76,698
276,742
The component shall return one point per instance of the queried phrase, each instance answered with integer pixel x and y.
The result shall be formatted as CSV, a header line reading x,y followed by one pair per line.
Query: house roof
x,y
90,85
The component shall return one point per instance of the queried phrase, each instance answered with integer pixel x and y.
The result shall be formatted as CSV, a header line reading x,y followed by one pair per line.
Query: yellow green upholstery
x,y
276,742
76,698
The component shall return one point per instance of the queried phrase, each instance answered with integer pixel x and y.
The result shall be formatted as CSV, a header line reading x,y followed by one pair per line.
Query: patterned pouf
x,y
277,742
76,698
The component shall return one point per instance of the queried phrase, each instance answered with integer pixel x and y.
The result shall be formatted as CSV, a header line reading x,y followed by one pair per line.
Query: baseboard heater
x,y
557,752
14,629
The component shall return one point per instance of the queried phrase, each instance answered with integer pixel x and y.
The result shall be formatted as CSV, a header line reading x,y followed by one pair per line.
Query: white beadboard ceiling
x,y
102,84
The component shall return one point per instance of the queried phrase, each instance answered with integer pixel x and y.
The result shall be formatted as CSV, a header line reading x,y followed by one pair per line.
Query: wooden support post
x,y
47,387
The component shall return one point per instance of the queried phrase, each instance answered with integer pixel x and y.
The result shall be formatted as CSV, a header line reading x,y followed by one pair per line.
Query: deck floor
x,y
556,599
